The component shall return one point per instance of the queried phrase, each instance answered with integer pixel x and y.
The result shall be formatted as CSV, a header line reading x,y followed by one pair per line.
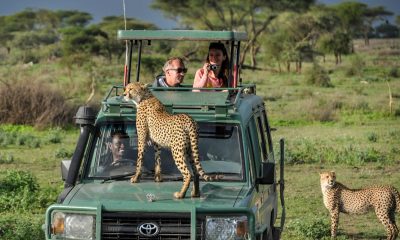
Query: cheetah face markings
x,y
136,92
328,179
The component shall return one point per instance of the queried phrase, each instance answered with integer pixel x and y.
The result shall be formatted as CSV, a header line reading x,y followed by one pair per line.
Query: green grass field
x,y
349,128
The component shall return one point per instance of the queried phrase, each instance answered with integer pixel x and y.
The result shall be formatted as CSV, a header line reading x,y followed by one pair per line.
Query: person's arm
x,y
200,79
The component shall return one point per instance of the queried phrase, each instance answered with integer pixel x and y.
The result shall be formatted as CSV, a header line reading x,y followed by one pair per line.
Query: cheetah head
x,y
136,92
328,179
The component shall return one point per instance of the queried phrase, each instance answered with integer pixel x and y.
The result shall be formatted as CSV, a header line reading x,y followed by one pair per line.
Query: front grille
x,y
124,225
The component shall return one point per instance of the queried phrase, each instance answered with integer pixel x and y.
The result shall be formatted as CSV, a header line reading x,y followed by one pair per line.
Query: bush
x,y
318,76
372,137
28,140
324,112
54,135
20,192
63,153
355,67
6,158
17,191
34,103
21,226
394,72
316,228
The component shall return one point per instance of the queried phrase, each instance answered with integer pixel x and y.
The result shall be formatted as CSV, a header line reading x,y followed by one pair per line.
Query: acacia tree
x,y
110,25
337,42
296,34
252,16
370,16
358,18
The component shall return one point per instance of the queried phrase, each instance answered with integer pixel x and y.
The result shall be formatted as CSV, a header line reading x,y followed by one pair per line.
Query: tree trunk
x,y
336,58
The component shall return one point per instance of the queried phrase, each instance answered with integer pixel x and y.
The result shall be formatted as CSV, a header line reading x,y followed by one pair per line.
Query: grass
x,y
347,128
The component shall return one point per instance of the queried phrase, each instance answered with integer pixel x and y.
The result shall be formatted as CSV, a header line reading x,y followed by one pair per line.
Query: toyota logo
x,y
149,229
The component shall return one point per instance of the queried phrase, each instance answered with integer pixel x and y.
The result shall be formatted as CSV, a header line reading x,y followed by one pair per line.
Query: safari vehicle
x,y
234,141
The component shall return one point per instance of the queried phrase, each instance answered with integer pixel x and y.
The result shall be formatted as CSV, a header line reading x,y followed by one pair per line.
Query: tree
x,y
351,16
370,16
110,25
337,42
295,35
387,30
398,20
252,16
73,18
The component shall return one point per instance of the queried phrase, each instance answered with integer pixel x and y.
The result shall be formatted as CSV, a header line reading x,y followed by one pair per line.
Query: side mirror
x,y
65,164
267,173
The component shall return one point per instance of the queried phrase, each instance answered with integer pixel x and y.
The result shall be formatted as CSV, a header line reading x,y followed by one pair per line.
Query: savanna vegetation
x,y
330,78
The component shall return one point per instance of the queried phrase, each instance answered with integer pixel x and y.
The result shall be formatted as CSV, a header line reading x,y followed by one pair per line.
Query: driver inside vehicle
x,y
116,154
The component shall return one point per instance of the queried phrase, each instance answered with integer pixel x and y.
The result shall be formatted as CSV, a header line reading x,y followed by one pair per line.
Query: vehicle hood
x,y
123,195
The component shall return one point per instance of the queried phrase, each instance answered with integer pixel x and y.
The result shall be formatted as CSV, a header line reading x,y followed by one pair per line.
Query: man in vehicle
x,y
174,73
116,154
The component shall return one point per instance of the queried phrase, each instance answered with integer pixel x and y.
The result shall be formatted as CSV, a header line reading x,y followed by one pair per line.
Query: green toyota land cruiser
x,y
99,201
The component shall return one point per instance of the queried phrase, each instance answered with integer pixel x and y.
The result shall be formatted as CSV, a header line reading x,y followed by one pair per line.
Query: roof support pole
x,y
230,80
237,66
139,58
130,45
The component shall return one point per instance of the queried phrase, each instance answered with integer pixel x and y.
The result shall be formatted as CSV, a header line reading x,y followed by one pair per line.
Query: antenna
x,y
126,49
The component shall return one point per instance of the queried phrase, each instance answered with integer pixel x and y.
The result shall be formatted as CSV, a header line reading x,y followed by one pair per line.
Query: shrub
x,y
372,137
355,67
34,103
315,228
21,226
20,192
27,140
6,158
54,135
18,180
17,191
63,153
318,76
394,72
7,138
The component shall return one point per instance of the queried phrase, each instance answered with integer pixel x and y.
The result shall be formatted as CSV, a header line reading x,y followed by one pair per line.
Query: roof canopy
x,y
189,35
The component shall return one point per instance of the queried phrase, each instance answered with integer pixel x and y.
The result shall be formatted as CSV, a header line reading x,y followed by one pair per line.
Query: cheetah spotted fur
x,y
176,132
385,200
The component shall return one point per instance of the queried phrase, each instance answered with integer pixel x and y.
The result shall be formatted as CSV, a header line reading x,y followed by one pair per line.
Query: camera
x,y
213,67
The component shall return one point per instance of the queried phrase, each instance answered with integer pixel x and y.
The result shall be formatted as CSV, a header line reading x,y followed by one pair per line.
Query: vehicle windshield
x,y
114,153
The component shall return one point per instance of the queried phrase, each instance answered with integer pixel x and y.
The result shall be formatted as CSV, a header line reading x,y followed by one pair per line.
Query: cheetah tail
x,y
397,197
194,147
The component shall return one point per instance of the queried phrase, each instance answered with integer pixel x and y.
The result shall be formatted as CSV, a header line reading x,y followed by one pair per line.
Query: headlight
x,y
73,225
223,228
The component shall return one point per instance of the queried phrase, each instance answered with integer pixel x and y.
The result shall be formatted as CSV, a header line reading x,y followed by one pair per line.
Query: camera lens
x,y
213,66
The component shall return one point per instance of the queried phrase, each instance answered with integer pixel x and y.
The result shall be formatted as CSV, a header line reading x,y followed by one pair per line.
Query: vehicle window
x,y
255,146
220,152
261,137
267,131
250,154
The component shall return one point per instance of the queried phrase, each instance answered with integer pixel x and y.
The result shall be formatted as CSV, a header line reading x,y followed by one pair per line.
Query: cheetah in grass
x,y
177,132
385,200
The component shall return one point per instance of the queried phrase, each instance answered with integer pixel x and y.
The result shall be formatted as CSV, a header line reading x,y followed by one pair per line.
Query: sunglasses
x,y
179,70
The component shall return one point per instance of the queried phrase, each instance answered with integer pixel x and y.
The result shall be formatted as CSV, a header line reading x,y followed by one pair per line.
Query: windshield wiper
x,y
117,177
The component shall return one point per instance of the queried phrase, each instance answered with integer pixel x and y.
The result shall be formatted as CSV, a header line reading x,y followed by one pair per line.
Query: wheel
x,y
272,233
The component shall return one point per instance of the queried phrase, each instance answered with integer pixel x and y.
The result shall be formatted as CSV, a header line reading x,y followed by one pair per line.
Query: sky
x,y
139,9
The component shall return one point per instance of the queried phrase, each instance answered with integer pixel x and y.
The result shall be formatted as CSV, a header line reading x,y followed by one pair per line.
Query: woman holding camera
x,y
213,74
